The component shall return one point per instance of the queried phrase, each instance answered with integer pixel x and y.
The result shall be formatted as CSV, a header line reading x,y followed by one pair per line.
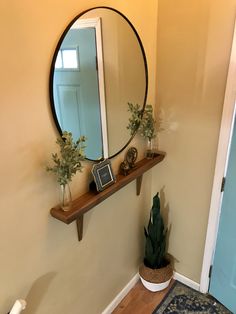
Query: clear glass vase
x,y
150,149
65,197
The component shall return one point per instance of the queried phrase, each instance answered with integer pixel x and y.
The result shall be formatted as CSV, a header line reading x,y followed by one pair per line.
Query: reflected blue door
x,y
76,91
223,279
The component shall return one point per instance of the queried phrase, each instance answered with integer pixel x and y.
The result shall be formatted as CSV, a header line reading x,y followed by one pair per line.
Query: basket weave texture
x,y
158,275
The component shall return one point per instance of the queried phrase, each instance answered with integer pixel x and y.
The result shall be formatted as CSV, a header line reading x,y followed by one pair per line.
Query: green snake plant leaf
x,y
155,248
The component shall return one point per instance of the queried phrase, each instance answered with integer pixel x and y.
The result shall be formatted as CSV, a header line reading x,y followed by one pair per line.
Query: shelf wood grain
x,y
90,199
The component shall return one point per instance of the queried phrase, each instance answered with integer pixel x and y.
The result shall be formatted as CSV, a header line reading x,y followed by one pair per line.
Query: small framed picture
x,y
103,175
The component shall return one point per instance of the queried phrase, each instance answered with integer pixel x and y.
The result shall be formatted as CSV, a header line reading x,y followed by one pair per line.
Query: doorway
x,y
223,153
223,273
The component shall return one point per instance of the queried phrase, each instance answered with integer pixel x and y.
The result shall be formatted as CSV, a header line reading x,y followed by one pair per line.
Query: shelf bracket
x,y
139,184
80,224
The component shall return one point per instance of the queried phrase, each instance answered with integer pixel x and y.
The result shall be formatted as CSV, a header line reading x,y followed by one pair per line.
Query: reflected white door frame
x,y
96,23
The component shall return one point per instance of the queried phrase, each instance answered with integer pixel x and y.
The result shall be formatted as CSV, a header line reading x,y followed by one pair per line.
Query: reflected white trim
x,y
96,23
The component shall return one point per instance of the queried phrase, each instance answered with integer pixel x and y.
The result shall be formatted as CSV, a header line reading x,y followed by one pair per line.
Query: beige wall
x,y
41,259
194,39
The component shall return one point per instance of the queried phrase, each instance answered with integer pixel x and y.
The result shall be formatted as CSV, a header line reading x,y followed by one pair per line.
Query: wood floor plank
x,y
140,300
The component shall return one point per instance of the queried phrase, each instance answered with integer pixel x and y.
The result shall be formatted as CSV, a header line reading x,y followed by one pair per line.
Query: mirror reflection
x,y
98,67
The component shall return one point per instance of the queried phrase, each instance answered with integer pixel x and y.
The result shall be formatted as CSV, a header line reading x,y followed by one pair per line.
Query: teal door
x,y
76,89
223,278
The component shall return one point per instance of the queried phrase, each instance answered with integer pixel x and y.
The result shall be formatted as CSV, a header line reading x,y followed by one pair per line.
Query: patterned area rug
x,y
182,299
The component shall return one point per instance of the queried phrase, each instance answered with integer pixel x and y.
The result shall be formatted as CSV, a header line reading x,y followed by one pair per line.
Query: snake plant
x,y
155,249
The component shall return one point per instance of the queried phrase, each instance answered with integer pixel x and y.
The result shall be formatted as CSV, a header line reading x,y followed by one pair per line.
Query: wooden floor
x,y
140,300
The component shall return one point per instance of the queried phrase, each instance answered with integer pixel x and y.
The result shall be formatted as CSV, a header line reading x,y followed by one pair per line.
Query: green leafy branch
x,y
69,162
142,121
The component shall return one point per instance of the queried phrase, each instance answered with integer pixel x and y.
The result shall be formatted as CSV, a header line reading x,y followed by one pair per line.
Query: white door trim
x,y
96,23
220,168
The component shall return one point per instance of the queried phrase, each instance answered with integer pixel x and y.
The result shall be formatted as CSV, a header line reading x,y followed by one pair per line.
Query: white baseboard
x,y
121,295
188,282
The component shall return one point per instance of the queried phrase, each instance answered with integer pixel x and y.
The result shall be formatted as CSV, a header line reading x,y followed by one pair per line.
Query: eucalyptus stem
x,y
68,162
142,121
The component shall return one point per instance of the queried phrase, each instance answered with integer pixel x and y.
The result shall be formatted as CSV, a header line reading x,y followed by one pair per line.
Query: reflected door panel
x,y
76,89
68,108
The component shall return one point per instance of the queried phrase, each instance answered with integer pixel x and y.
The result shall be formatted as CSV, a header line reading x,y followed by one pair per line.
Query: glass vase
x,y
65,197
152,148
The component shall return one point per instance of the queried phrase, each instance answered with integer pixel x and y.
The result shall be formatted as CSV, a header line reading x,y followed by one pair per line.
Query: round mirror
x,y
99,66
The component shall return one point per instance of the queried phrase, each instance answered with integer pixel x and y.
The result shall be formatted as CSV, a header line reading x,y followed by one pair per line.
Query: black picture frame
x,y
103,175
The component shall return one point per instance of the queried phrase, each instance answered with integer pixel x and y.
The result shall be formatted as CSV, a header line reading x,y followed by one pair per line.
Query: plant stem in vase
x,y
66,164
65,196
150,151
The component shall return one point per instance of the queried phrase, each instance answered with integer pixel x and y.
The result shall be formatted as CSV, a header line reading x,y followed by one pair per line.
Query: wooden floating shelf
x,y
90,199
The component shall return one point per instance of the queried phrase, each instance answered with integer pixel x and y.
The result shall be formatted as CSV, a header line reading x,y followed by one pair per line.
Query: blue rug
x,y
182,299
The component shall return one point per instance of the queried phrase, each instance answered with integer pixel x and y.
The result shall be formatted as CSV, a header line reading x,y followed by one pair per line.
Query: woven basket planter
x,y
156,279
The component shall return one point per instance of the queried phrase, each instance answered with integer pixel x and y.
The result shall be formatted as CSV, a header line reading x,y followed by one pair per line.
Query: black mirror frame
x,y
54,60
